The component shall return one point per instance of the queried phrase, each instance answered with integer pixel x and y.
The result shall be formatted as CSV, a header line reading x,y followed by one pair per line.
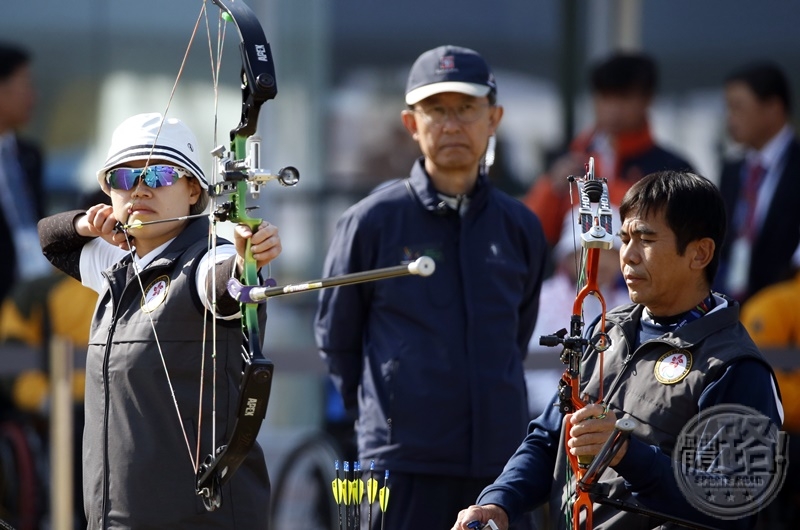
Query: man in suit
x,y
761,190
20,173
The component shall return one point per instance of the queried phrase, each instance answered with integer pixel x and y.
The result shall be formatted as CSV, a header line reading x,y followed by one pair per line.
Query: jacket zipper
x,y
106,356
106,360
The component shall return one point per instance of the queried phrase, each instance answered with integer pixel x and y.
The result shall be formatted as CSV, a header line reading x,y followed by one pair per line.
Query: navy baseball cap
x,y
449,69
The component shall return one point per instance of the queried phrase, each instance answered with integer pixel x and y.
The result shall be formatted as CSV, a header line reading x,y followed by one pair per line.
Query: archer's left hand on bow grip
x,y
589,429
265,243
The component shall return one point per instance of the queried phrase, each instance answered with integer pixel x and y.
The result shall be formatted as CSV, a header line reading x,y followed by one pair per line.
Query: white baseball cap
x,y
139,138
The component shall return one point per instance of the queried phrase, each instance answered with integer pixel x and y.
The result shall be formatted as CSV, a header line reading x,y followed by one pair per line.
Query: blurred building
x,y
341,70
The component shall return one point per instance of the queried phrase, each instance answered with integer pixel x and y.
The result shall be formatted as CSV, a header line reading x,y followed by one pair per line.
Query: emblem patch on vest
x,y
673,366
155,294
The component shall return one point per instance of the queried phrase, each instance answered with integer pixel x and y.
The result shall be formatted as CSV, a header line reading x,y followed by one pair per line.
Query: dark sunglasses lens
x,y
158,176
123,178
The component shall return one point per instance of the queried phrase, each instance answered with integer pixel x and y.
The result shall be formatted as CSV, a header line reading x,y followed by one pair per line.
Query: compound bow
x,y
240,169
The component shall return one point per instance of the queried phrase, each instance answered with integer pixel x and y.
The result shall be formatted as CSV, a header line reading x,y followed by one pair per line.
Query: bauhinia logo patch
x,y
673,366
155,294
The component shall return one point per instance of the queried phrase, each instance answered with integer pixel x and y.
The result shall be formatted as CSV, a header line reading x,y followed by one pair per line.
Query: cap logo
x,y
446,64
191,147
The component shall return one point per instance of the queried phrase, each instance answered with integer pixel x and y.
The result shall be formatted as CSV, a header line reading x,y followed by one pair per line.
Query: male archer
x,y
677,351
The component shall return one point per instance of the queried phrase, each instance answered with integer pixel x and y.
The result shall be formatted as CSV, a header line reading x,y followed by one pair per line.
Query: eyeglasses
x,y
126,178
464,113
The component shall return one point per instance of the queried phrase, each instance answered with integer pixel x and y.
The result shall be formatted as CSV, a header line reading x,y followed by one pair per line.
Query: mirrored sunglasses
x,y
126,178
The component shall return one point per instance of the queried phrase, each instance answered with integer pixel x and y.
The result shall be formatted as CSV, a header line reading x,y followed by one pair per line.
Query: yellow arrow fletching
x,y
359,491
372,490
336,486
355,490
135,224
383,497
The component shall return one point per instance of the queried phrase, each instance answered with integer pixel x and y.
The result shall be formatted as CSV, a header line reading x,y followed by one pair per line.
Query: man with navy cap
x,y
433,367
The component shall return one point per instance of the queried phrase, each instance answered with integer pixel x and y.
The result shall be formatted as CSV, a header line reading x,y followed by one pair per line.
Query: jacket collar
x,y
196,229
627,317
422,186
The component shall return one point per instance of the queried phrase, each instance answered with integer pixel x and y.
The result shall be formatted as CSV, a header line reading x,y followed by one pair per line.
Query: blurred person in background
x,y
623,87
21,197
762,189
433,366
21,206
772,317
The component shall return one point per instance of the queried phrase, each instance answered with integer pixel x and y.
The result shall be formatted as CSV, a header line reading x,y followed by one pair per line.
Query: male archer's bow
x,y
594,219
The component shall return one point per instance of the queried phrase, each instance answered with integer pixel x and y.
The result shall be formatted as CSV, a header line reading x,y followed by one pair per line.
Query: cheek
x,y
118,202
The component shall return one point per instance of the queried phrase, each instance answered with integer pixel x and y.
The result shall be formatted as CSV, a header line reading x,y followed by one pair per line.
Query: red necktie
x,y
755,175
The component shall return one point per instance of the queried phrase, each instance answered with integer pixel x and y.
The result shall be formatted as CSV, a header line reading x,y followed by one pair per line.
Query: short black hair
x,y
624,73
12,57
693,208
766,79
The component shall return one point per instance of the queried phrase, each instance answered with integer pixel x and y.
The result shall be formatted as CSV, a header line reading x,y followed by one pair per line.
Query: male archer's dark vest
x,y
661,397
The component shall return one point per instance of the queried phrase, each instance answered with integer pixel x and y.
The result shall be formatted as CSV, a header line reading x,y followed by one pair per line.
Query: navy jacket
x,y
434,364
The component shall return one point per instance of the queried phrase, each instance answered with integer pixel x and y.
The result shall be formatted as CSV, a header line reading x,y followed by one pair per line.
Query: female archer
x,y
149,375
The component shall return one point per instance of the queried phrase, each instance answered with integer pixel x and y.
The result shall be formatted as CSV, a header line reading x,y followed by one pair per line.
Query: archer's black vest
x,y
137,468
